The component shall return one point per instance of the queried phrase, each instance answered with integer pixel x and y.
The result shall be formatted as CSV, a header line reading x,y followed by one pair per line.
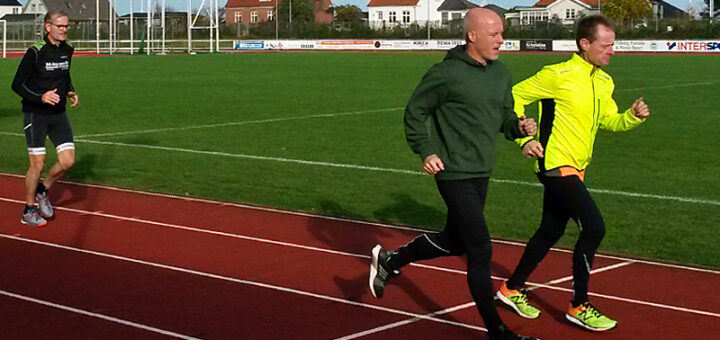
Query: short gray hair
x,y
53,13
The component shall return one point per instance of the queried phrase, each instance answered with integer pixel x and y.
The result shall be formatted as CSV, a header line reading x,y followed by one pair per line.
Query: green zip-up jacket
x,y
457,111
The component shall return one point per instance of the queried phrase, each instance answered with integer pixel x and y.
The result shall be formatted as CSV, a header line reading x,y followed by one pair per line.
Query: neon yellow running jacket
x,y
574,102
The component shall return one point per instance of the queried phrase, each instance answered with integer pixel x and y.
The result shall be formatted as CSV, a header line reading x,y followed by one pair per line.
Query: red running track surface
x,y
118,263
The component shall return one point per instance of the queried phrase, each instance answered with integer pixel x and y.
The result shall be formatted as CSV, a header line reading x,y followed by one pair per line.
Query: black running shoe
x,y
380,271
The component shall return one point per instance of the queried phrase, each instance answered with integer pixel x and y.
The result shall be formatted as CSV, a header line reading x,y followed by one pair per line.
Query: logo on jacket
x,y
54,66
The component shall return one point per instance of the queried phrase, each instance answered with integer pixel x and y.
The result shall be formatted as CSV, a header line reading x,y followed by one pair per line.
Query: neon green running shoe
x,y
518,301
589,317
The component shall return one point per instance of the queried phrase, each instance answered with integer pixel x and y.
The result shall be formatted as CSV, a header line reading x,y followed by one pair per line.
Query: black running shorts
x,y
56,126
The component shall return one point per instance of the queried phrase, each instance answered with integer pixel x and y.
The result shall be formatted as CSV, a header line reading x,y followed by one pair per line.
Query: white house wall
x,y
10,10
418,14
35,7
560,8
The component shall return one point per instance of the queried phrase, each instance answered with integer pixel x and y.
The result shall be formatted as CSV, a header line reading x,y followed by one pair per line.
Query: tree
x,y
347,14
302,11
627,10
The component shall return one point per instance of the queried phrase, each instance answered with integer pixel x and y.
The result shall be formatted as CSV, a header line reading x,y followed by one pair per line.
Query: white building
x,y
389,13
10,7
35,7
451,10
566,11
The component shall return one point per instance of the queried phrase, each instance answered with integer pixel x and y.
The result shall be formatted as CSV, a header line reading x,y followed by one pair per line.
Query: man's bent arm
x,y
422,104
541,85
24,71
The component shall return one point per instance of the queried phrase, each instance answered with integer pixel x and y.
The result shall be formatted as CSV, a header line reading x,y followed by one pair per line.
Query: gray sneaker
x,y
44,205
32,218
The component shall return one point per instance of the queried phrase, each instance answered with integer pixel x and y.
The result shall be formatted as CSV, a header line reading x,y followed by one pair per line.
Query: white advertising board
x,y
690,46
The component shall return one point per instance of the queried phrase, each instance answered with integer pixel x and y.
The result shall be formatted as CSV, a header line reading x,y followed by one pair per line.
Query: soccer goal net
x,y
164,26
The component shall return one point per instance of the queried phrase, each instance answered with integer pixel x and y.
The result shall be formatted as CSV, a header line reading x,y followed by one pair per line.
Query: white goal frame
x,y
4,37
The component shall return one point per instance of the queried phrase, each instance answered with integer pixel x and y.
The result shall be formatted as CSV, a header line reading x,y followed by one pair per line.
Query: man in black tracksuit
x,y
43,82
467,100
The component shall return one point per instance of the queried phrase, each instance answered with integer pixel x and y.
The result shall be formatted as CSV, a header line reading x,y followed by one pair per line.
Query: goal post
x,y
159,26
208,11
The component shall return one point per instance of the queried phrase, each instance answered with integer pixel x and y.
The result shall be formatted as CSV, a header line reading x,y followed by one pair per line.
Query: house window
x,y
406,17
531,18
392,17
271,15
33,7
238,17
457,16
253,17
570,13
15,11
444,18
379,15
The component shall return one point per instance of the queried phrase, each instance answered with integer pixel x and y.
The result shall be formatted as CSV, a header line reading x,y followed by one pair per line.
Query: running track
x,y
121,264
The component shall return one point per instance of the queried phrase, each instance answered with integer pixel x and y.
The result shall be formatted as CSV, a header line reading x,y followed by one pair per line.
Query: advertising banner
x,y
510,45
658,46
249,45
536,45
710,46
564,46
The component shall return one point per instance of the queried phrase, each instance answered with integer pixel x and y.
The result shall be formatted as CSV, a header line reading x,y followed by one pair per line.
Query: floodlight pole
x,y
217,28
110,27
148,39
428,19
163,26
4,23
97,26
712,10
132,23
211,18
290,12
275,17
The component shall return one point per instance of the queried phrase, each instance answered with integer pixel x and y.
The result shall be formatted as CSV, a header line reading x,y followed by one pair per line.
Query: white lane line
x,y
471,304
97,315
261,121
634,301
666,86
198,230
409,321
241,281
594,271
173,226
340,219
379,169
620,258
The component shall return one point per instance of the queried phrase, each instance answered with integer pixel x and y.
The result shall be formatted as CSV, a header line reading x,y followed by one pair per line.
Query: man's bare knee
x,y
66,159
36,165
66,164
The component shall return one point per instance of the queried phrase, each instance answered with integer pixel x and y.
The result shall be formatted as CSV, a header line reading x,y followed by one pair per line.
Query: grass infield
x,y
322,132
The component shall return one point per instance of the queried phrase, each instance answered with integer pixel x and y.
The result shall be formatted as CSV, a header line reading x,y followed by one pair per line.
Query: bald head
x,y
483,34
479,17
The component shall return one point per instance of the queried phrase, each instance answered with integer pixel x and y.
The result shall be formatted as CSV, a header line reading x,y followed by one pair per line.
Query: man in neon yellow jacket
x,y
575,101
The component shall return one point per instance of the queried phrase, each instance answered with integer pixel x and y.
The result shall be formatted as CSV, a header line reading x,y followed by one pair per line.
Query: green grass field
x,y
322,132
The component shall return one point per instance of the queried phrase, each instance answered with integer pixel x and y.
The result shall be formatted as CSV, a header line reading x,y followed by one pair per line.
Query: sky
x,y
123,6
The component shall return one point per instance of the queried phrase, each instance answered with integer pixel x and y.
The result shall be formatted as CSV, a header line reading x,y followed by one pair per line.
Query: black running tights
x,y
564,198
465,233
